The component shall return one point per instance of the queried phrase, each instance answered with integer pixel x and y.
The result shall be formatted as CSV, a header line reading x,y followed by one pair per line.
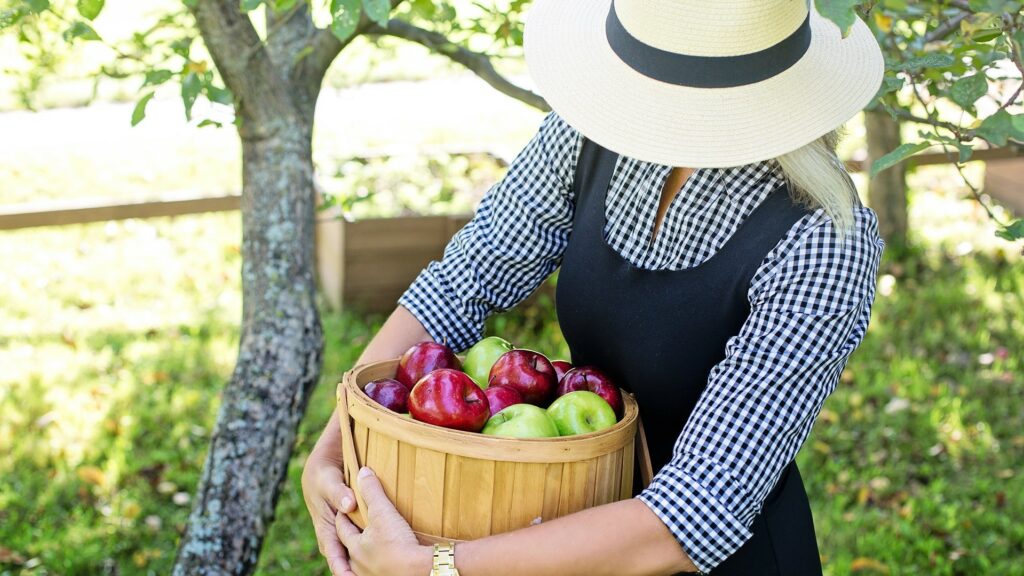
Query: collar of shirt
x,y
737,181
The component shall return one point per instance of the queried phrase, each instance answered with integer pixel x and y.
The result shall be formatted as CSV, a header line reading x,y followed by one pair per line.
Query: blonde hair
x,y
818,179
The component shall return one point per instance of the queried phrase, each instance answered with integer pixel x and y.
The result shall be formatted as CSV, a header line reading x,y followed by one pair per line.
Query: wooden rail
x,y
60,213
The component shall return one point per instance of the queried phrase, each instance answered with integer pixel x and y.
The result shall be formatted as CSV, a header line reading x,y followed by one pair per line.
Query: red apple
x,y
423,358
528,372
389,393
499,397
592,379
447,397
561,367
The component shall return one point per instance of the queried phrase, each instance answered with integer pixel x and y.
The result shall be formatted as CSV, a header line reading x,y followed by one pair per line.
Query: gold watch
x,y
444,560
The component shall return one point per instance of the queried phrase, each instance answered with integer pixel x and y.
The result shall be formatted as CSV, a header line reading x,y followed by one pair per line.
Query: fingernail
x,y
365,472
346,502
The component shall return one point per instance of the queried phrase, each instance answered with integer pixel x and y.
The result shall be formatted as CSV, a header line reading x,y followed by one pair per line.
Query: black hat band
x,y
706,71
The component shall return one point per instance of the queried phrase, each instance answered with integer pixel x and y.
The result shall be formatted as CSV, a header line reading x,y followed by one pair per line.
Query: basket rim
x,y
476,445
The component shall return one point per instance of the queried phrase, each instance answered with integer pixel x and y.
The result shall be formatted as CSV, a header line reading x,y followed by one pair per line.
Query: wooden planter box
x,y
368,264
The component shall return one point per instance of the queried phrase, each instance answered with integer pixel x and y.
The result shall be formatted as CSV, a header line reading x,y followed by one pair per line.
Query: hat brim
x,y
586,83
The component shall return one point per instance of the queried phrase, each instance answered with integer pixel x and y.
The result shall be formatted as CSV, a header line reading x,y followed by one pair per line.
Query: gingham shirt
x,y
810,303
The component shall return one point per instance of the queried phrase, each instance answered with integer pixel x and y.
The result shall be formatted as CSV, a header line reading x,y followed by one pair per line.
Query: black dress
x,y
659,333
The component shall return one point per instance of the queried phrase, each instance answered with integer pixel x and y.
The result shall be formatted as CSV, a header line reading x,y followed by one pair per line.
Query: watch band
x,y
444,560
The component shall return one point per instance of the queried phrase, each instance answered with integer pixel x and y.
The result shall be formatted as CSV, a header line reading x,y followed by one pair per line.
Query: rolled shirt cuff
x,y
703,525
427,300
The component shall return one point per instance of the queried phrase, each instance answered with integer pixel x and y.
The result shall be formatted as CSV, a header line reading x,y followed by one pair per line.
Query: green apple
x,y
581,412
521,421
481,356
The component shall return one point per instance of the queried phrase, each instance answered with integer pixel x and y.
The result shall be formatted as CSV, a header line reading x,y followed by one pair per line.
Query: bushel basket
x,y
455,485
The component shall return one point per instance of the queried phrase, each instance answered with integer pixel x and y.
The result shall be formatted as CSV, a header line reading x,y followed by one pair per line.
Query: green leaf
x,y
840,12
345,17
9,18
283,5
249,5
994,6
219,95
208,122
156,77
80,30
930,60
966,91
891,84
90,9
37,6
1012,232
378,10
901,153
997,128
987,34
965,152
190,88
1017,126
423,8
140,108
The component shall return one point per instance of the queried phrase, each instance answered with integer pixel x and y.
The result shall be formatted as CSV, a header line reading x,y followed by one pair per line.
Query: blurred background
x,y
118,334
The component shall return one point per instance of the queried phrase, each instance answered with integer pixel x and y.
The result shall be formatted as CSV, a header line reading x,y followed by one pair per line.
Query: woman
x,y
727,299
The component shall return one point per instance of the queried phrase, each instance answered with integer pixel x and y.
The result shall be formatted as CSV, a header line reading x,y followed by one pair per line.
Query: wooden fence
x,y
368,263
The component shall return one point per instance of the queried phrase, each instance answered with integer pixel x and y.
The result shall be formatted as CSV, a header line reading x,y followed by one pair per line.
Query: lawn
x,y
116,338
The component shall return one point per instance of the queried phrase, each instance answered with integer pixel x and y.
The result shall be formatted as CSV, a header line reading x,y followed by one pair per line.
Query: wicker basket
x,y
456,485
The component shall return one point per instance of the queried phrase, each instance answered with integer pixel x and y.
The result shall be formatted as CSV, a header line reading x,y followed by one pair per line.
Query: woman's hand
x,y
387,547
325,493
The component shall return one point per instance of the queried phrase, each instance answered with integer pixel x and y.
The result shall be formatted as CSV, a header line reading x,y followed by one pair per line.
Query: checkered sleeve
x,y
811,303
513,242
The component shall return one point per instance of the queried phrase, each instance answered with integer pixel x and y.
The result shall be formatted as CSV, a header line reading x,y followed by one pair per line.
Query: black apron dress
x,y
658,333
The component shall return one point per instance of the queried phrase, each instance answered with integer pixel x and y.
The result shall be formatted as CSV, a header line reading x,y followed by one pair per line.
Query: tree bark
x,y
887,191
278,363
281,344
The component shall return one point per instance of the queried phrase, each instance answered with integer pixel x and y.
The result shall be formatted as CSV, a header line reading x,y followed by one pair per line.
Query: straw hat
x,y
699,83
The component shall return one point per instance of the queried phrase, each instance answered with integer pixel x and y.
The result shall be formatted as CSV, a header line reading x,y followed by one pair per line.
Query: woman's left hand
x,y
387,546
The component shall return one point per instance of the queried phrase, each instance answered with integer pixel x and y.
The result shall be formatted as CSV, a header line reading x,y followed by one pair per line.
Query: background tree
x,y
945,59
270,71
272,81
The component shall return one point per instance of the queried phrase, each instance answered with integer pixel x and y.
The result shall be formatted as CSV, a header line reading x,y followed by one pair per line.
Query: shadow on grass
x,y
100,445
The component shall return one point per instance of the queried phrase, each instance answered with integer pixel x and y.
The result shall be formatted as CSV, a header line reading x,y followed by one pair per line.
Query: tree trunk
x,y
887,191
278,363
281,346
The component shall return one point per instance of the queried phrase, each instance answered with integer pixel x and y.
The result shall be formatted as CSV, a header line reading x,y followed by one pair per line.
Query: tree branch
x,y
479,64
905,114
946,28
289,33
325,47
245,65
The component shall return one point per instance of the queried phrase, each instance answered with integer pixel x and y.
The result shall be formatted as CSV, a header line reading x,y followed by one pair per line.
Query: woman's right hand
x,y
323,485
325,493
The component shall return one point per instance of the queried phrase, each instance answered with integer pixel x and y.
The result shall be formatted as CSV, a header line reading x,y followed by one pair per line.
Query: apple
x,y
423,358
498,397
527,371
521,421
580,412
482,355
448,397
389,393
592,379
561,367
